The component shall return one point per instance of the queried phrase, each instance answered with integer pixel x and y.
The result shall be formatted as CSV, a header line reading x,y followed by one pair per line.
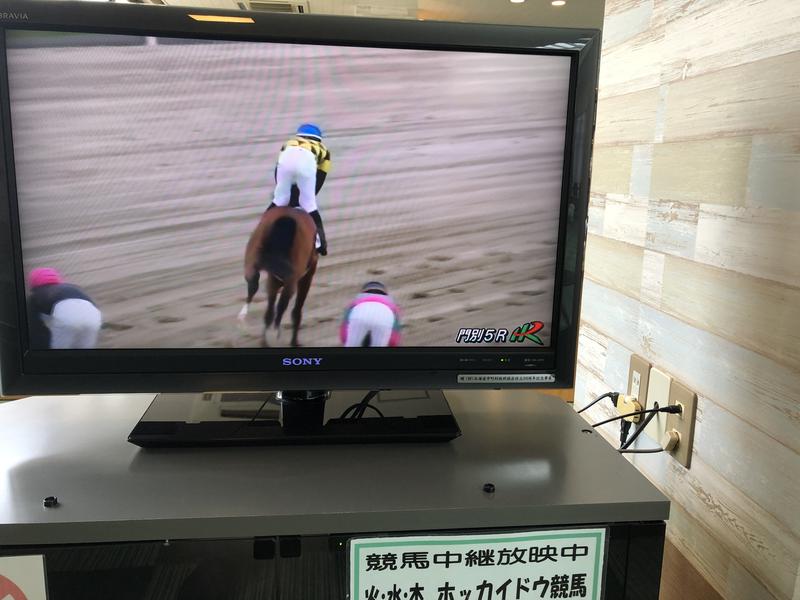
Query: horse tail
x,y
277,246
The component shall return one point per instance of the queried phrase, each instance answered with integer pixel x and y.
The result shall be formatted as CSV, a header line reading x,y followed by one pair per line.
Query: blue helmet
x,y
310,130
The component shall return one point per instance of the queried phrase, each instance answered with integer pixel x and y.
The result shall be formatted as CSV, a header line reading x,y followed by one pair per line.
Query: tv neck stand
x,y
295,417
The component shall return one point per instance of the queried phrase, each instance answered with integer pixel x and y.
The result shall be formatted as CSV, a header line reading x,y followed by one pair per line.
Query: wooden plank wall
x,y
681,581
693,260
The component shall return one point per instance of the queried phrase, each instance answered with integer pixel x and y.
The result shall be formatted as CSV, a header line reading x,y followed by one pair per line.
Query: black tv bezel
x,y
118,370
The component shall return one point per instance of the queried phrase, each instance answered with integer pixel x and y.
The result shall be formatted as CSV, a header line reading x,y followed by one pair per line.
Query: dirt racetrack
x,y
142,170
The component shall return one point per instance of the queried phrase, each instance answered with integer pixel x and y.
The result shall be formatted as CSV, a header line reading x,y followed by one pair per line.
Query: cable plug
x,y
624,430
629,404
670,440
611,395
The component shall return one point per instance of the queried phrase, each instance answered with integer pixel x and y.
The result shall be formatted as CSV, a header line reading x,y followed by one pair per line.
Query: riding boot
x,y
323,242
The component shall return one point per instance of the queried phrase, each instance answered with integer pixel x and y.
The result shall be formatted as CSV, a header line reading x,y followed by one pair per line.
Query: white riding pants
x,y
297,166
371,318
74,325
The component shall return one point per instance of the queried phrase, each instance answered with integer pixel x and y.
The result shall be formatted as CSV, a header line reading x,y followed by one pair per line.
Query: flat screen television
x,y
402,203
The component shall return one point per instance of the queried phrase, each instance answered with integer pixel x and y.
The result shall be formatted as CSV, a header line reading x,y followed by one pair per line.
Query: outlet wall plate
x,y
658,391
684,422
638,379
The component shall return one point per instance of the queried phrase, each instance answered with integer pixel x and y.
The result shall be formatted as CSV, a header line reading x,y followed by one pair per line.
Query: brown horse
x,y
282,245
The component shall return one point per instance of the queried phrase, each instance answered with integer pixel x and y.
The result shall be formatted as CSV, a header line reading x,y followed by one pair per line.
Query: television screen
x,y
429,186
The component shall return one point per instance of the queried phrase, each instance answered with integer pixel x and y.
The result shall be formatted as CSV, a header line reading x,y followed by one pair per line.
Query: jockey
x,y
304,161
372,319
61,315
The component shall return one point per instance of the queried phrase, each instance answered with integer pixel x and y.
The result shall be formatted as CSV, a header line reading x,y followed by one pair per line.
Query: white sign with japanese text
x,y
566,563
22,578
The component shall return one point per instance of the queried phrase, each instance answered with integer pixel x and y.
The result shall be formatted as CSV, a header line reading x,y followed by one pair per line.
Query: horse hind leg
x,y
273,287
297,312
252,288
283,304
297,318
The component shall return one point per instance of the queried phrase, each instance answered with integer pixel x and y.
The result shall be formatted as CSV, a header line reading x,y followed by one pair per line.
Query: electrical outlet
x,y
638,379
627,404
683,423
658,391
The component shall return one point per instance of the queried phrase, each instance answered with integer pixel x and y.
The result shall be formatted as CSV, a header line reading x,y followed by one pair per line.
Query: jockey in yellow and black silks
x,y
304,161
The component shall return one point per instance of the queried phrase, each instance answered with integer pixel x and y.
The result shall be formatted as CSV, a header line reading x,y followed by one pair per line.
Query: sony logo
x,y
11,16
301,362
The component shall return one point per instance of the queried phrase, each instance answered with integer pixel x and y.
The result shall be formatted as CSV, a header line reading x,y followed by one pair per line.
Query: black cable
x,y
255,416
360,408
624,429
377,410
674,409
640,429
364,404
353,407
260,408
643,451
346,412
612,395
620,417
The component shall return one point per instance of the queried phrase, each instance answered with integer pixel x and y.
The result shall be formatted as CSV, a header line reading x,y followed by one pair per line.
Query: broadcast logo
x,y
524,333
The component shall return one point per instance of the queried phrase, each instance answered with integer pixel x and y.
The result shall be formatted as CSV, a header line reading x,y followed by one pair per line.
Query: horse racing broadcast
x,y
189,193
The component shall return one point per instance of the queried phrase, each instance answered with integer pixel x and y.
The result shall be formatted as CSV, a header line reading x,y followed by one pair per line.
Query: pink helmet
x,y
44,276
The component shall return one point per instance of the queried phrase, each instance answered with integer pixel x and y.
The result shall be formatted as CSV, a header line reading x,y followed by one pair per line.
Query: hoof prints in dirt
x,y
116,327
420,295
531,292
440,258
169,319
375,271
